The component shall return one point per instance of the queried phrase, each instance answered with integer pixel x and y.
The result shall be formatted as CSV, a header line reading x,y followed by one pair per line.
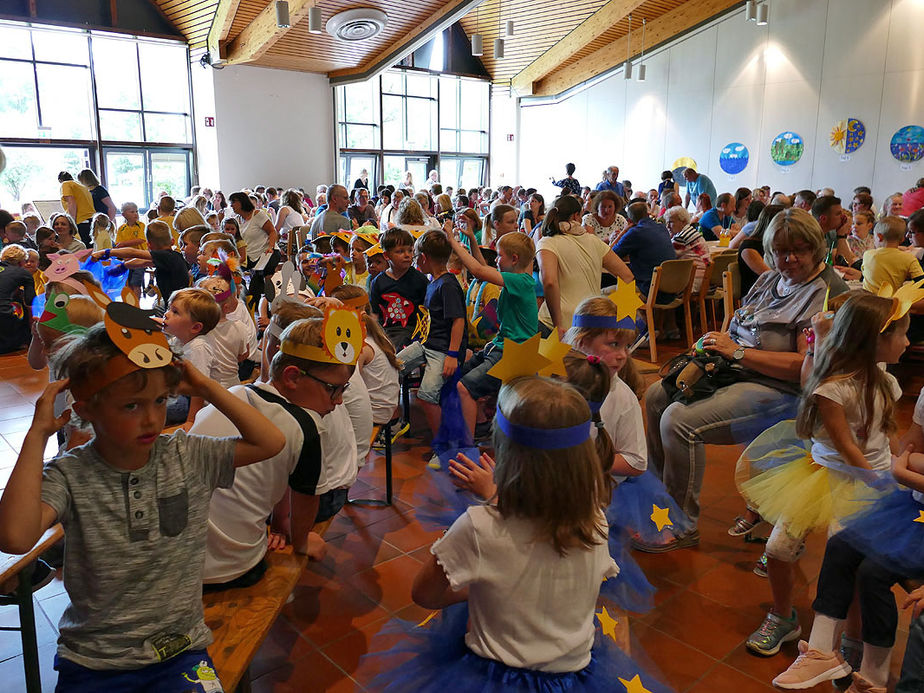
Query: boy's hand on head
x,y
192,382
44,420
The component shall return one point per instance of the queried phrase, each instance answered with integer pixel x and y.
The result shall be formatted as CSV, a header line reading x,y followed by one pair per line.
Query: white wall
x,y
817,62
273,127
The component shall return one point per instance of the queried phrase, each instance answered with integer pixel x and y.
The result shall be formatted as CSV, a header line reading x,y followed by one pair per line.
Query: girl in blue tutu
x,y
518,582
640,504
847,411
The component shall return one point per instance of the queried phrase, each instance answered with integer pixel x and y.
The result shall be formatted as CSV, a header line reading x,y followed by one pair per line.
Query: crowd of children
x,y
211,400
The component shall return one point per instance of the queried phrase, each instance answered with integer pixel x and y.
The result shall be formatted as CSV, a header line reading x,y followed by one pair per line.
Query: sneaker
x,y
760,568
811,668
684,541
434,462
852,653
773,632
862,685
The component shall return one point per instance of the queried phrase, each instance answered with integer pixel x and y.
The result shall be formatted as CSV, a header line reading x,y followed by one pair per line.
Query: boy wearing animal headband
x,y
133,504
308,480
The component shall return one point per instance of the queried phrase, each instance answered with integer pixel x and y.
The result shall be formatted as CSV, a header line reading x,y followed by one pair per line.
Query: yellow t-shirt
x,y
81,196
889,265
131,232
169,222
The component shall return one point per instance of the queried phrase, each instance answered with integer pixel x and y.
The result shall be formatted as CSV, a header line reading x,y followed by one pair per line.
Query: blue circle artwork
x,y
787,148
907,144
734,158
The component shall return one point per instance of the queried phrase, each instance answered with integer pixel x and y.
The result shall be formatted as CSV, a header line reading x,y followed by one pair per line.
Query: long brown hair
x,y
562,491
562,209
849,352
592,379
351,292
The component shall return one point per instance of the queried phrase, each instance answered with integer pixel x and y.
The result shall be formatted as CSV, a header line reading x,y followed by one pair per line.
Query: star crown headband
x,y
342,333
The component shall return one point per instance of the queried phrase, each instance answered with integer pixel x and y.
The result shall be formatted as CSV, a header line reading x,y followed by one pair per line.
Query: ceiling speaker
x,y
357,24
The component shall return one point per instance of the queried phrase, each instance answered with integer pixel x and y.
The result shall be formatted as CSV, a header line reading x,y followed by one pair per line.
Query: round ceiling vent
x,y
357,24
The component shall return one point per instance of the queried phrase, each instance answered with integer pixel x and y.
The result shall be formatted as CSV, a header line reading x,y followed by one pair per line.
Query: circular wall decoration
x,y
734,158
847,136
907,144
787,148
678,167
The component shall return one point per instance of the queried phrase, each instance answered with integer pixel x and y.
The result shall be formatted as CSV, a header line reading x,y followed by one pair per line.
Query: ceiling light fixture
x,y
282,14
763,14
509,28
314,20
477,39
641,62
750,11
627,73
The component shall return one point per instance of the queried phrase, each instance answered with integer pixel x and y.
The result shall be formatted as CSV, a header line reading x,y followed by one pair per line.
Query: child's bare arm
x,y
124,254
260,439
431,588
908,469
475,265
835,422
23,515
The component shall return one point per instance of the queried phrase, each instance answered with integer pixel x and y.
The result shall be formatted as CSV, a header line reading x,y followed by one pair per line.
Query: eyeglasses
x,y
333,391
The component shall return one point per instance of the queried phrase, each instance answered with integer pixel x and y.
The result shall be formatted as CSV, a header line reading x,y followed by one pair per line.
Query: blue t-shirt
x,y
647,245
709,221
517,308
616,187
396,301
445,302
703,184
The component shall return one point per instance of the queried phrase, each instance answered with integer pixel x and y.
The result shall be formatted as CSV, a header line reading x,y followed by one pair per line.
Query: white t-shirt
x,y
292,219
253,234
621,415
580,266
875,447
528,606
236,539
918,416
242,315
356,400
230,342
338,447
382,382
199,353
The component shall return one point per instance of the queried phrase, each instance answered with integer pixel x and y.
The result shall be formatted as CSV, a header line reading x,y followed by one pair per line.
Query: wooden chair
x,y
731,293
713,290
700,296
671,277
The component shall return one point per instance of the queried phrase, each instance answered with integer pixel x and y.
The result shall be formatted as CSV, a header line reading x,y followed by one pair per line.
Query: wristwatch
x,y
739,354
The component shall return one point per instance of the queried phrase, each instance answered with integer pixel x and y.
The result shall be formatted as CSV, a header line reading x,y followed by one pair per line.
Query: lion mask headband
x,y
140,341
902,300
342,333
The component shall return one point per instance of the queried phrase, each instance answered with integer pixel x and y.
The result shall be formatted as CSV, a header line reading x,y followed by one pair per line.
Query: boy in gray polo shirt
x,y
134,505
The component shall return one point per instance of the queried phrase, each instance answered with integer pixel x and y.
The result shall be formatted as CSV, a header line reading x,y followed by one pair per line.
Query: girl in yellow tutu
x,y
846,412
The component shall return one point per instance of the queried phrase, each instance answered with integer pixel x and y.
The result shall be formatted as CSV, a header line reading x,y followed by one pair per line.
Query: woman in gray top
x,y
765,337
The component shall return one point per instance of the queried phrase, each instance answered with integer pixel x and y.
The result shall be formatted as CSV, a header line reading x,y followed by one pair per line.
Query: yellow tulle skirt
x,y
778,478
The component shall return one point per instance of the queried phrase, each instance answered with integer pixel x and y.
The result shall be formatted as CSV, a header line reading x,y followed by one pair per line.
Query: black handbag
x,y
690,377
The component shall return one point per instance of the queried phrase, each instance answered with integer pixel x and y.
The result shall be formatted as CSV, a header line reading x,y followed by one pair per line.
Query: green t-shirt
x,y
516,308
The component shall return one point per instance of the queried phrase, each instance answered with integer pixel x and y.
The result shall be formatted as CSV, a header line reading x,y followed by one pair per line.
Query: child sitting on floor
x,y
133,503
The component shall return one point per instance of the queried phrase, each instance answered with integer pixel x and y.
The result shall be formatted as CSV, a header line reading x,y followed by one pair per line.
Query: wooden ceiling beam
x,y
260,35
688,16
584,33
445,17
221,25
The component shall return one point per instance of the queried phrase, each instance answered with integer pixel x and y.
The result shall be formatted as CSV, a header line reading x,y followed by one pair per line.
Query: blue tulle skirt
x,y
890,534
433,658
633,504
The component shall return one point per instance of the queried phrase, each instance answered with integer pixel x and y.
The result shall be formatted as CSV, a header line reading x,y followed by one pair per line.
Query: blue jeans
x,y
912,678
189,671
678,433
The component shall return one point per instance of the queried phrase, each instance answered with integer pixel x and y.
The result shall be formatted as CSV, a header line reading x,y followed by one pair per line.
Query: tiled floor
x,y
708,599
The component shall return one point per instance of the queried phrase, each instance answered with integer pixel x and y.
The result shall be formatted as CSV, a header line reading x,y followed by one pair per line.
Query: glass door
x,y
142,175
351,165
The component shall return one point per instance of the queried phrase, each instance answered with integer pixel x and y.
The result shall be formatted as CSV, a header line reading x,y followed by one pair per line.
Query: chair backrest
x,y
730,278
676,276
735,277
720,263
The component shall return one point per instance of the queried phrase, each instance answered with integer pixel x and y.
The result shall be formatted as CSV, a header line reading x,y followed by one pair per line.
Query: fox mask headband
x,y
140,341
342,334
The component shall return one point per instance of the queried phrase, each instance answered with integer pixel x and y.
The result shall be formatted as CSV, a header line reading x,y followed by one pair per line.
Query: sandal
x,y
743,527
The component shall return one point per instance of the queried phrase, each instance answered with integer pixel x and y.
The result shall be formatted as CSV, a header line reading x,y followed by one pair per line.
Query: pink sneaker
x,y
811,668
861,685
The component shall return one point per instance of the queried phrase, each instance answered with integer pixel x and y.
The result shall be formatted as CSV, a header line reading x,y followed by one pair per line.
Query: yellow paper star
x,y
920,517
552,349
607,623
626,299
661,517
634,685
519,360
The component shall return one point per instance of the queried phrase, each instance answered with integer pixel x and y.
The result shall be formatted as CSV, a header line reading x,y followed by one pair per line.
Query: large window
x,y
414,121
72,99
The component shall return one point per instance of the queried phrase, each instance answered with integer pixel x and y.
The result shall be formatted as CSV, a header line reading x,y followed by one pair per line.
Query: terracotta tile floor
x,y
708,599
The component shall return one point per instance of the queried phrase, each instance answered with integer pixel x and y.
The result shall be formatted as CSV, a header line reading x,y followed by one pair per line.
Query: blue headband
x,y
603,322
543,438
